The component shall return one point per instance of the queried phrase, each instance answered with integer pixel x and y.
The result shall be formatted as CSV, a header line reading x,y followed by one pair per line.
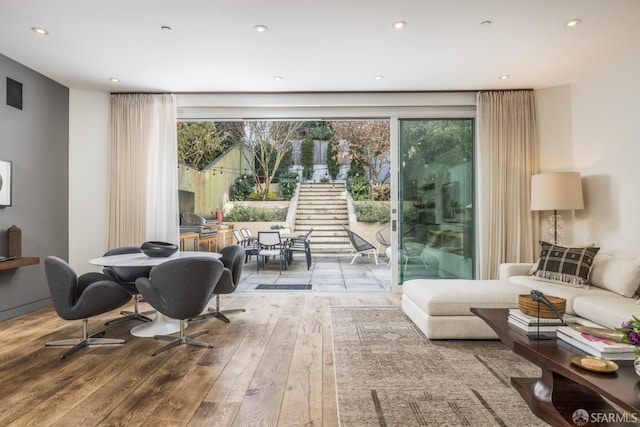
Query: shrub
x,y
380,192
324,180
370,211
358,186
252,214
288,185
306,157
242,188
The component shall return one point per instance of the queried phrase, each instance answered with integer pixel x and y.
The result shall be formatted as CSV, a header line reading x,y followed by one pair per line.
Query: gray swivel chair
x,y
82,297
126,277
233,261
181,289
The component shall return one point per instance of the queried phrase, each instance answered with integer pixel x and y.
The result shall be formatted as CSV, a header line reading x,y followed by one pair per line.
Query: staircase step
x,y
323,207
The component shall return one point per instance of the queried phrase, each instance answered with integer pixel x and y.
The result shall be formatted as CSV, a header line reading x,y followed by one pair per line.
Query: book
x,y
533,328
533,320
600,344
613,351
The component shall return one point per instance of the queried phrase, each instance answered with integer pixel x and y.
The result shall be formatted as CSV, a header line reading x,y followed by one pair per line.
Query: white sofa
x,y
441,308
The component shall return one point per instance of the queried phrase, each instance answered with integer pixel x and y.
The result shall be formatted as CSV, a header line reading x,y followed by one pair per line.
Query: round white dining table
x,y
161,324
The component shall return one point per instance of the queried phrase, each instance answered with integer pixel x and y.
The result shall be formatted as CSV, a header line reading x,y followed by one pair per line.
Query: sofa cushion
x,y
554,289
616,271
456,297
609,311
565,265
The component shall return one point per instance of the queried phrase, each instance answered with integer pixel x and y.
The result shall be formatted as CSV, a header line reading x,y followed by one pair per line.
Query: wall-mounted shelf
x,y
19,262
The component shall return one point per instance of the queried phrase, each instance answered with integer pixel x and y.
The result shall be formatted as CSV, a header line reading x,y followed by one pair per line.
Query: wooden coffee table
x,y
565,388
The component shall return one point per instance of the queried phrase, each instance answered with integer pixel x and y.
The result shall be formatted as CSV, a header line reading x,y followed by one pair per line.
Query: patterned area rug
x,y
389,374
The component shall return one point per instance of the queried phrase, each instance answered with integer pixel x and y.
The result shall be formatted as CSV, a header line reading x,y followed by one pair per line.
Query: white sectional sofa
x,y
441,308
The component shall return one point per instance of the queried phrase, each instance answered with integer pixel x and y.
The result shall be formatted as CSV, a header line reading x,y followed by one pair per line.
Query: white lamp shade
x,y
556,191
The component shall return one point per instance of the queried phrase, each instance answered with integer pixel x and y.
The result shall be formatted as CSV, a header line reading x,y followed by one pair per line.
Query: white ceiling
x,y
325,45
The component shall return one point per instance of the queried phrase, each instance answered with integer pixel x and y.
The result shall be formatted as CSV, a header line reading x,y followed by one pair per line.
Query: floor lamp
x,y
556,191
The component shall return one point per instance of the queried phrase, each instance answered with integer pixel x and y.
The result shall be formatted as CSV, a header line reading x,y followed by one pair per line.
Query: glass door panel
x,y
435,206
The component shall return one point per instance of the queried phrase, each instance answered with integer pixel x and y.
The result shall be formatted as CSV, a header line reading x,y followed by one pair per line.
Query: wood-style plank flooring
x,y
271,366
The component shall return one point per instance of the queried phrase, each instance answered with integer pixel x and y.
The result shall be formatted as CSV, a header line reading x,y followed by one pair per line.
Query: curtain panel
x,y
508,155
142,167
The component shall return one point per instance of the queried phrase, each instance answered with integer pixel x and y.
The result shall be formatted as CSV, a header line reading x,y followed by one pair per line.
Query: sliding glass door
x,y
435,204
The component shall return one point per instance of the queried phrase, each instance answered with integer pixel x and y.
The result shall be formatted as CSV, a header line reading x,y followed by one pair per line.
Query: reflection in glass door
x,y
435,206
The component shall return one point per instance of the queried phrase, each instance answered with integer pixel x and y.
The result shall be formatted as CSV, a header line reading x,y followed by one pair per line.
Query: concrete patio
x,y
328,273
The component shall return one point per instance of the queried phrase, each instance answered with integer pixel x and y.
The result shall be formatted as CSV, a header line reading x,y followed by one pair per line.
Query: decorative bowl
x,y
530,307
158,249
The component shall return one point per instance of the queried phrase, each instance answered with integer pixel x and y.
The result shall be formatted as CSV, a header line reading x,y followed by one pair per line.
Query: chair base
x,y
77,343
182,339
215,312
222,315
367,252
132,315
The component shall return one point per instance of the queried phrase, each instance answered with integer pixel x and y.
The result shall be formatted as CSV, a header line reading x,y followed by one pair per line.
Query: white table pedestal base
x,y
161,325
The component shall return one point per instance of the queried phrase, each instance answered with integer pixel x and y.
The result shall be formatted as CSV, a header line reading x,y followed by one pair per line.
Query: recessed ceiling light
x,y
379,77
261,28
278,78
486,23
398,25
166,28
572,23
504,77
39,30
114,80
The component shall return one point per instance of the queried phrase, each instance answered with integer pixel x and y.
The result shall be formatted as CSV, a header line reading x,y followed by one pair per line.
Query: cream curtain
x,y
507,158
143,174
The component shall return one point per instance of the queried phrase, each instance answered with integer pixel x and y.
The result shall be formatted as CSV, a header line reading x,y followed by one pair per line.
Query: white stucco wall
x,y
88,130
591,127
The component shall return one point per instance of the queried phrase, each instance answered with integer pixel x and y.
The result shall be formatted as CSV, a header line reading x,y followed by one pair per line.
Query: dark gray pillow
x,y
567,266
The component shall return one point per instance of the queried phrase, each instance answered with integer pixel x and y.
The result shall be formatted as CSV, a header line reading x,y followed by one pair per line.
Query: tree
x,y
266,144
367,143
199,143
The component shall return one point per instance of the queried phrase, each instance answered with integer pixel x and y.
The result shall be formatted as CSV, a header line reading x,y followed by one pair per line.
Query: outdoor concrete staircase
x,y
323,207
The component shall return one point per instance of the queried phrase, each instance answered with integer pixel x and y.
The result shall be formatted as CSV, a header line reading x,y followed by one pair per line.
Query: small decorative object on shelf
x,y
532,304
631,335
14,242
158,249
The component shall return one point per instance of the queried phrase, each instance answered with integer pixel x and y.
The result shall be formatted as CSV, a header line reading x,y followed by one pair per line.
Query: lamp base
x,y
556,229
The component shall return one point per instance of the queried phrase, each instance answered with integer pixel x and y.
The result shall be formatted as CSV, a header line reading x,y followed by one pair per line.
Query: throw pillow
x,y
617,272
535,265
565,265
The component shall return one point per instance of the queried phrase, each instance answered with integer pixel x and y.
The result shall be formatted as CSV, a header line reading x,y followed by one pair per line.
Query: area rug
x,y
284,287
389,374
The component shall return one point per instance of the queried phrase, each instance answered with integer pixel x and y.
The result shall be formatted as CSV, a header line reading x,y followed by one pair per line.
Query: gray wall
x,y
36,140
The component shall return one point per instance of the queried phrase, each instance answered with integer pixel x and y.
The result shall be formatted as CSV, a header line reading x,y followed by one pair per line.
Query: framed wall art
x,y
5,183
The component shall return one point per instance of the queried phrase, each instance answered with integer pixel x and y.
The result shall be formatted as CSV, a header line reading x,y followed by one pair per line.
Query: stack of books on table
x,y
532,324
596,346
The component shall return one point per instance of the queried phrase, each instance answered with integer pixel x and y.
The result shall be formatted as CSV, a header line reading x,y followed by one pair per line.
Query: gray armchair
x,y
181,289
233,261
82,297
126,277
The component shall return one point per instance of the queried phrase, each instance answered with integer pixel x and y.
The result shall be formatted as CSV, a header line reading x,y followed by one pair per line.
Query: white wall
x,y
88,133
592,127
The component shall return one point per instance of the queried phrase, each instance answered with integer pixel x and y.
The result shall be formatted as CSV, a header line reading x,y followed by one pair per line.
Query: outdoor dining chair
x,y
301,245
270,244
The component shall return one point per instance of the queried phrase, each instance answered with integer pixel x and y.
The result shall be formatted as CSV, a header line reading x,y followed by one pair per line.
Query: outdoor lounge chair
x,y
360,246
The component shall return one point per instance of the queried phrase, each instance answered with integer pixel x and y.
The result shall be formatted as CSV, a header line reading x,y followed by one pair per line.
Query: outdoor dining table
x,y
161,324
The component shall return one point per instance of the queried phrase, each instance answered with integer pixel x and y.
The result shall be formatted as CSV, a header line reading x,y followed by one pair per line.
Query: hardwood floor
x,y
271,366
